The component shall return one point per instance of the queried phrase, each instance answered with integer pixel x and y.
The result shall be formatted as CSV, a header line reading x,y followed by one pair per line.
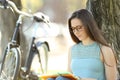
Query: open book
x,y
67,75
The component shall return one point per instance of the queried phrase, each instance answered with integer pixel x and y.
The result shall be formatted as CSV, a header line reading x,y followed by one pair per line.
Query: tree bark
x,y
107,15
7,24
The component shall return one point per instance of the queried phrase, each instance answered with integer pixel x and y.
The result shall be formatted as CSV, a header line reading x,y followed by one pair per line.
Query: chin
x,y
80,39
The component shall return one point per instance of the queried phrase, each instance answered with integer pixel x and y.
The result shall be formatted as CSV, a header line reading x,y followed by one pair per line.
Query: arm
x,y
110,63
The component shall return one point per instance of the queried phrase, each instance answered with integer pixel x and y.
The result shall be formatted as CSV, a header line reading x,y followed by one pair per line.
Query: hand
x,y
88,79
79,78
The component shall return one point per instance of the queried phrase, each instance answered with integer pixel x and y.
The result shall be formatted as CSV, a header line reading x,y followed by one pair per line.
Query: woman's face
x,y
78,29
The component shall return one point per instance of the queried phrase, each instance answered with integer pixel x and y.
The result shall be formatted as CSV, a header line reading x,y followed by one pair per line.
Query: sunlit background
x,y
57,35
59,38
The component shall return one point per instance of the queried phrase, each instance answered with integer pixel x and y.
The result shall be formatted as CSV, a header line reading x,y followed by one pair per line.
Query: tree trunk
x,y
107,15
7,24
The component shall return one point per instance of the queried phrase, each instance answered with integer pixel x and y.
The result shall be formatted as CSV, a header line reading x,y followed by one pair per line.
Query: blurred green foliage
x,y
75,4
32,5
35,5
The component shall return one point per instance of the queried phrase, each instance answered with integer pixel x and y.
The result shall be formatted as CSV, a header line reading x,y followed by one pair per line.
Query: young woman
x,y
91,56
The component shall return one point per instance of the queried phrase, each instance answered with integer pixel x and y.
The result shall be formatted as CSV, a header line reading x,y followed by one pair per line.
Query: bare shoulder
x,y
108,55
106,49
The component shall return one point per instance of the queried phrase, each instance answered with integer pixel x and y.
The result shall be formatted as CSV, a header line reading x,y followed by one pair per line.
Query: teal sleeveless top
x,y
86,62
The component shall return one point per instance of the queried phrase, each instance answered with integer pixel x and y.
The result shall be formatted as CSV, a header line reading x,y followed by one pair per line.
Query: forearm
x,y
79,78
88,79
111,73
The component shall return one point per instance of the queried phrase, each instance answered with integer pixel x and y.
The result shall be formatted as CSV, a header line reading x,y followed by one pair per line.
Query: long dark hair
x,y
90,26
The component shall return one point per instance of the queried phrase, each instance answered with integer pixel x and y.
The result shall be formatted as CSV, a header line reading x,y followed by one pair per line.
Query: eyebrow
x,y
76,26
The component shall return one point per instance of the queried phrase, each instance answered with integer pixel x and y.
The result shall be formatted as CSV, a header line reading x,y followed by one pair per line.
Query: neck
x,y
87,41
